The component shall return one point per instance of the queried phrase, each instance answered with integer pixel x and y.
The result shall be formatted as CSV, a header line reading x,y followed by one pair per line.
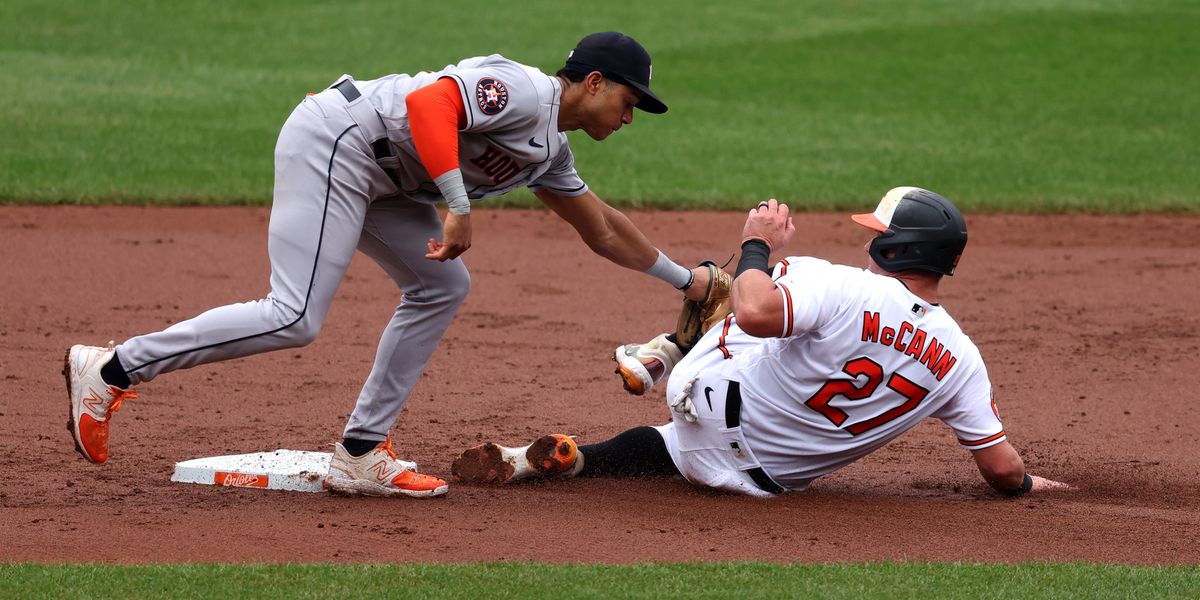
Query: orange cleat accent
x,y
378,473
552,454
92,401
642,366
417,482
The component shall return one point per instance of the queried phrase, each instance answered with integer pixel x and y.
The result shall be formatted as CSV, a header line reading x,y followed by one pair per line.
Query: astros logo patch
x,y
491,95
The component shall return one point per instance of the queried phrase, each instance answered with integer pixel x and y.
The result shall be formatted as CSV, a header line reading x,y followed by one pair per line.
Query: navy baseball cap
x,y
619,58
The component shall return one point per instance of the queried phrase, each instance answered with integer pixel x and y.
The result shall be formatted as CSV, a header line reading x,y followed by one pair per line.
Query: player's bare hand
x,y
699,288
1041,484
457,235
770,222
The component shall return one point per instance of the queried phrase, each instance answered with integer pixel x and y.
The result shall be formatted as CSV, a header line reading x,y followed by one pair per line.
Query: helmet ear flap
x,y
879,250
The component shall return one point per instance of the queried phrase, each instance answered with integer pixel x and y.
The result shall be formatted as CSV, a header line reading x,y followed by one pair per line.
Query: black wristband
x,y
756,254
1026,485
691,280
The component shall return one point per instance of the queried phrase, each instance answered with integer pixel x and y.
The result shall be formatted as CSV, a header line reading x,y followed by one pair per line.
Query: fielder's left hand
x,y
457,235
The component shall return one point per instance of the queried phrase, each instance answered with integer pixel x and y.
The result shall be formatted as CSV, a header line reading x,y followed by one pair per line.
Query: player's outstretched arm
x,y
1003,469
610,233
604,229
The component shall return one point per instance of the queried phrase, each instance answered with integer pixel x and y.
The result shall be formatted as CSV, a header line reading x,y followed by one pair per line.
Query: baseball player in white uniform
x,y
817,366
363,165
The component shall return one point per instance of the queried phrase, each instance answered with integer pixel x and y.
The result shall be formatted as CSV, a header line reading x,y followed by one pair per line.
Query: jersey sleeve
x,y
812,291
435,114
497,97
973,415
561,178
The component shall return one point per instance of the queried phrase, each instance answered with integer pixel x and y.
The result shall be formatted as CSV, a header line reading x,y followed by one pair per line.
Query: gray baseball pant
x,y
326,203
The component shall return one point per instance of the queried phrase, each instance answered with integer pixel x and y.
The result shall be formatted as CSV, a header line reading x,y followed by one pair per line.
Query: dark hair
x,y
572,74
575,75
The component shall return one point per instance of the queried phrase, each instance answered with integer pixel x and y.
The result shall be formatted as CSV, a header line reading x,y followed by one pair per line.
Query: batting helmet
x,y
918,229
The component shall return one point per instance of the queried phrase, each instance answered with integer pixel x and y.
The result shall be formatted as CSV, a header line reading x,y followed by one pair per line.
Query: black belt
x,y
380,147
733,418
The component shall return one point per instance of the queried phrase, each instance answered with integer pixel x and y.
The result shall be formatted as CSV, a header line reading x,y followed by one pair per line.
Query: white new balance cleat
x,y
93,401
550,456
641,366
378,473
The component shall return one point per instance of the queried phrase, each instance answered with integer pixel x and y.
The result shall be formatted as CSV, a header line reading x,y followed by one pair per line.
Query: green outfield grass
x,y
578,582
1020,105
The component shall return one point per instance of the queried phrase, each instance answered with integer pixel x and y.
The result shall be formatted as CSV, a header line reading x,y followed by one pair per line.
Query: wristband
x,y
756,254
451,185
1026,485
670,272
691,279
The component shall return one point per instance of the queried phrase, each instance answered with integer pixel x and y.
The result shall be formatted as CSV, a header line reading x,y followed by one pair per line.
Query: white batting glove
x,y
682,402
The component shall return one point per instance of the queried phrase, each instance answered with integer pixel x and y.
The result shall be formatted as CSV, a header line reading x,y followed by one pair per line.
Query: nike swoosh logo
x,y
708,398
533,142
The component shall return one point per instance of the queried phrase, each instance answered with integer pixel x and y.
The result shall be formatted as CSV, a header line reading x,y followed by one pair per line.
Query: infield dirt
x,y
1088,325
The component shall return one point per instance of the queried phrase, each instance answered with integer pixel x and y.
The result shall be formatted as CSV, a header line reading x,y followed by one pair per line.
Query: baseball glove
x,y
697,317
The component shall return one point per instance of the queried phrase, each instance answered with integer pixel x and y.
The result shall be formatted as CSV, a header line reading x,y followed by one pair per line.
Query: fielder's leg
x,y
323,179
394,236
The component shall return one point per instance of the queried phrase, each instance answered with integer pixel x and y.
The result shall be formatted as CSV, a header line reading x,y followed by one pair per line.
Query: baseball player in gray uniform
x,y
363,165
817,366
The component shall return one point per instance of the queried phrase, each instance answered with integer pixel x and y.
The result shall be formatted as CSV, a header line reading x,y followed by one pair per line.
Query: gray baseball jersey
x,y
335,191
511,138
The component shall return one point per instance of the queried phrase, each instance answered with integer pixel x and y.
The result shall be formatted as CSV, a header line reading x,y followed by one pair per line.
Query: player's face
x,y
610,108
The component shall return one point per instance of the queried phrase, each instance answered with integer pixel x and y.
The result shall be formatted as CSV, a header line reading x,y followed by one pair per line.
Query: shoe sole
x,y
548,454
492,464
66,371
629,380
483,464
339,486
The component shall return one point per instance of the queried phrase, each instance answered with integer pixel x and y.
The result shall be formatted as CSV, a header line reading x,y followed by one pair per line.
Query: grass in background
x,y
578,582
1032,105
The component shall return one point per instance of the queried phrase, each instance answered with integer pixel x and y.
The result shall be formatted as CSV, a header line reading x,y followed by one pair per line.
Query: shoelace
x,y
387,447
120,394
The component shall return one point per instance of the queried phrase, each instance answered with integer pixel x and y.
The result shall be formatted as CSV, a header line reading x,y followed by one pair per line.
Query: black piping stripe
x,y
312,277
533,187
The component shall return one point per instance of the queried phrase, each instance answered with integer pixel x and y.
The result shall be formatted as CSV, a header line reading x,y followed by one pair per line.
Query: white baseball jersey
x,y
860,361
511,138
